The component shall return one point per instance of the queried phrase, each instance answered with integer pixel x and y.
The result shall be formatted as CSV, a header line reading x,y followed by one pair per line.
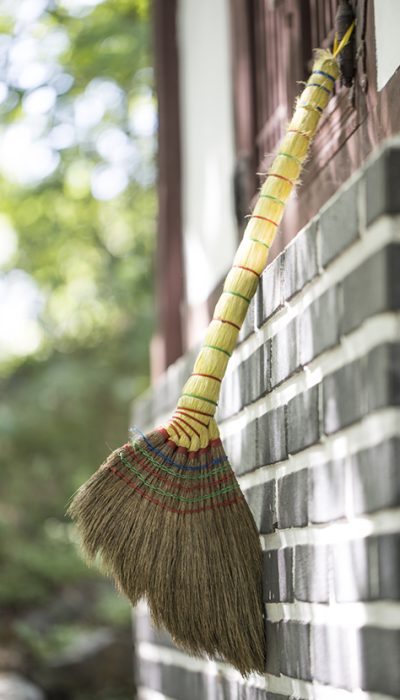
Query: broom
x,y
165,512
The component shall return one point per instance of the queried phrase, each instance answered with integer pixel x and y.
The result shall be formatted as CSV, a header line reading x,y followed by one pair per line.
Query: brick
x,y
232,395
303,420
338,224
274,645
232,690
335,656
293,499
295,651
361,387
172,681
249,322
300,261
328,491
389,566
354,574
266,381
371,288
319,326
371,491
380,649
271,437
262,502
269,295
383,376
241,447
311,573
382,180
252,376
284,353
344,396
278,575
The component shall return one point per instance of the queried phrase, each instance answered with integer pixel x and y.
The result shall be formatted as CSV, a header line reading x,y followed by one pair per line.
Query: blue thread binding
x,y
321,72
218,460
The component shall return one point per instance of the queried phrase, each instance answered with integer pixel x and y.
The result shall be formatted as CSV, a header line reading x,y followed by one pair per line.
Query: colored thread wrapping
x,y
321,87
262,218
311,108
167,458
171,472
168,494
215,347
225,320
235,294
289,155
257,240
161,504
180,421
274,199
209,376
282,177
325,74
201,398
196,420
248,269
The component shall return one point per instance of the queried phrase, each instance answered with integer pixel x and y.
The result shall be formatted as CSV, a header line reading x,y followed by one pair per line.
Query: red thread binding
x,y
173,481
175,420
181,420
242,267
209,376
281,177
264,218
145,495
179,410
224,320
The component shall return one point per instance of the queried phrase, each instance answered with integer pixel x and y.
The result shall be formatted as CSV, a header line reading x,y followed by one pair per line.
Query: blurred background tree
x,y
77,224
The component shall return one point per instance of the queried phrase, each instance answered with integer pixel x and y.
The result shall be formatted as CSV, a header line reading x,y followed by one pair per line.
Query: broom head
x,y
172,526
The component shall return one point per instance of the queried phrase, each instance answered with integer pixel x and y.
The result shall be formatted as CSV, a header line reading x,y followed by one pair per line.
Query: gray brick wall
x,y
315,382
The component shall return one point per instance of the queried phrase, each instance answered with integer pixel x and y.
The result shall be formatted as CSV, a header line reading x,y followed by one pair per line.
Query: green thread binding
x,y
174,473
275,199
256,240
202,398
237,294
161,492
215,347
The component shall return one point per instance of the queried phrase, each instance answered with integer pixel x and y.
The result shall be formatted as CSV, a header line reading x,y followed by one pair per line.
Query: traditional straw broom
x,y
165,512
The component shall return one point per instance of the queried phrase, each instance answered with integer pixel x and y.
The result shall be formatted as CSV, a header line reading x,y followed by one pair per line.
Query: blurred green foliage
x,y
65,405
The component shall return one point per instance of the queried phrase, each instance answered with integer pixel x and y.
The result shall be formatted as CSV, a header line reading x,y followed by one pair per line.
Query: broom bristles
x,y
172,526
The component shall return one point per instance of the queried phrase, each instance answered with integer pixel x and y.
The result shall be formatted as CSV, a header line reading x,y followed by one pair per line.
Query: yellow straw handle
x,y
193,420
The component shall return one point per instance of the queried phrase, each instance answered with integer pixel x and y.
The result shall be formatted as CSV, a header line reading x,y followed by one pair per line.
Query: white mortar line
x,y
383,522
281,685
375,331
370,431
317,691
383,231
383,614
174,657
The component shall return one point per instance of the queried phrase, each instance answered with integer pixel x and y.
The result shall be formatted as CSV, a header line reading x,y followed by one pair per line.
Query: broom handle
x,y
199,398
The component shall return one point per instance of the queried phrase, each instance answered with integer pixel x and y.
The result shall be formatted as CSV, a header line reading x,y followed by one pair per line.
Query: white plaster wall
x,y
209,229
387,27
